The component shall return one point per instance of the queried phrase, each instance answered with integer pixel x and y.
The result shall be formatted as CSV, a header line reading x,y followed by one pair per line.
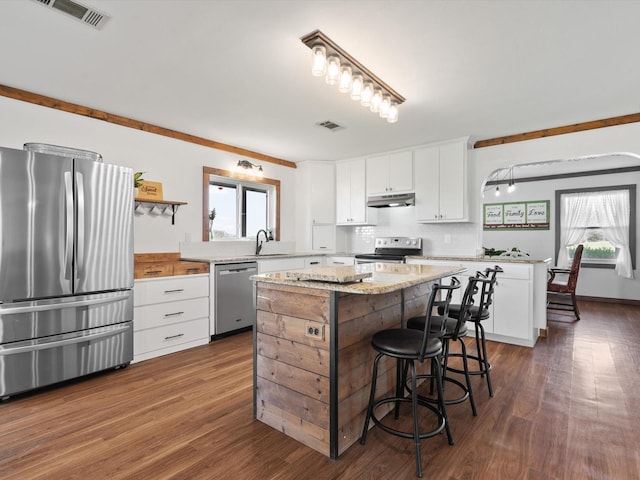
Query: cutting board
x,y
328,274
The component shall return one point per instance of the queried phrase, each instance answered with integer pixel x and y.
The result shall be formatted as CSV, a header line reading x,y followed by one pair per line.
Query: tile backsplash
x,y
437,238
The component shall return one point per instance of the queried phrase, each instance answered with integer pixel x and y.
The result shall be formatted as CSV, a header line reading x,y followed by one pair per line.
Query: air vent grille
x,y
329,125
88,16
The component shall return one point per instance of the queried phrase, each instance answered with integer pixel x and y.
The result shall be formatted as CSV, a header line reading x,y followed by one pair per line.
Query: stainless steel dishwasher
x,y
234,306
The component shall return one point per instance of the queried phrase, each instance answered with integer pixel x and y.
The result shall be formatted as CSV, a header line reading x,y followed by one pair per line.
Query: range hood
x,y
391,200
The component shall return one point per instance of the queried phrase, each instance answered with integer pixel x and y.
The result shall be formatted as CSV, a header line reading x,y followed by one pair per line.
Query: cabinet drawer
x,y
170,335
170,289
190,268
152,270
160,314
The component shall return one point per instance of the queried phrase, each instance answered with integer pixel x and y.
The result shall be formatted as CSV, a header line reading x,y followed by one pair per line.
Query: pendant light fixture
x,y
341,69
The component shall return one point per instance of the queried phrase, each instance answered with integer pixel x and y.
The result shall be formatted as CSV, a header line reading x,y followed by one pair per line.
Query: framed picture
x,y
529,215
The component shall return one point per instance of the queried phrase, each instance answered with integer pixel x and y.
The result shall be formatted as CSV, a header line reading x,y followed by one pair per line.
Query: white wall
x,y
177,164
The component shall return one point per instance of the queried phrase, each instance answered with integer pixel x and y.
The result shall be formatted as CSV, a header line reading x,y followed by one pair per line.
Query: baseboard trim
x,y
624,301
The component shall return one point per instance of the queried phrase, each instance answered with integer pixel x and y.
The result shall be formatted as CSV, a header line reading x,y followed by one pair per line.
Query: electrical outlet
x,y
314,330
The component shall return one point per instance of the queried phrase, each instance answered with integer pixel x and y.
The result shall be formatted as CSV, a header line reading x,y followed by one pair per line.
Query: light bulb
x,y
367,93
319,60
392,116
376,100
497,190
333,70
511,188
345,78
384,106
356,87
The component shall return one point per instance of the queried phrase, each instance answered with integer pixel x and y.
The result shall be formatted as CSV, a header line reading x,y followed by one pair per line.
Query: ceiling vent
x,y
331,126
88,16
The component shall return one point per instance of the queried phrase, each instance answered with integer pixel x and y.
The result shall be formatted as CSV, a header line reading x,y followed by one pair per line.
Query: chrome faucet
x,y
267,235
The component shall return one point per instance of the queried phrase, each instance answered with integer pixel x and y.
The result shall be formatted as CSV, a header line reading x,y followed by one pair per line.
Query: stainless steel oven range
x,y
392,250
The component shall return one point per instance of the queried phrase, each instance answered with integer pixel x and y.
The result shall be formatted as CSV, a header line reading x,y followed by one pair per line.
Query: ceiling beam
x,y
549,132
25,96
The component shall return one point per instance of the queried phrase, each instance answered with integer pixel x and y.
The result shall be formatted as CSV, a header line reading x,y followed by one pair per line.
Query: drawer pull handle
x,y
174,336
178,290
153,272
166,315
193,269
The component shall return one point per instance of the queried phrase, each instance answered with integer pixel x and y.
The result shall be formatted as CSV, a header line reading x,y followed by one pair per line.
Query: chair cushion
x,y
404,342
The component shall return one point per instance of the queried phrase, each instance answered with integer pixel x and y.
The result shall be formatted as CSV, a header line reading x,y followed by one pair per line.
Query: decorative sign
x,y
149,190
532,215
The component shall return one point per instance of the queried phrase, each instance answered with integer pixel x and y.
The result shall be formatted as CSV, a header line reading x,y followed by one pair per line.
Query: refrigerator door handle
x,y
80,222
59,306
68,245
8,350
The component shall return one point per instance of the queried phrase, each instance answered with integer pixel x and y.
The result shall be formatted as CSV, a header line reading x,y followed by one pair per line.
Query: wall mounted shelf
x,y
157,207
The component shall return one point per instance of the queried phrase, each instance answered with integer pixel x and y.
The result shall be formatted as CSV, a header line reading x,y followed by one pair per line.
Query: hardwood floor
x,y
567,409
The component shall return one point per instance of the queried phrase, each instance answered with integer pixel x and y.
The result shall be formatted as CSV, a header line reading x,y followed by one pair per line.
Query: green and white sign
x,y
533,215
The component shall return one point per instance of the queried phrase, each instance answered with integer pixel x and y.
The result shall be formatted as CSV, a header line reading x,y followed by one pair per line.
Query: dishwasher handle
x,y
232,271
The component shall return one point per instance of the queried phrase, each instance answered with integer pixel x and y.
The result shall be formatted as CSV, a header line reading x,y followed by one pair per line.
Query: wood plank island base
x,y
312,353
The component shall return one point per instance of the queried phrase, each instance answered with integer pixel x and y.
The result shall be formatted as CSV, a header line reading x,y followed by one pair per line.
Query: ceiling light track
x,y
340,68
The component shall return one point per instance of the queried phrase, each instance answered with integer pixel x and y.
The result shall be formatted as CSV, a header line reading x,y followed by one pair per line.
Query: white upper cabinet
x,y
315,206
441,182
392,173
322,190
351,194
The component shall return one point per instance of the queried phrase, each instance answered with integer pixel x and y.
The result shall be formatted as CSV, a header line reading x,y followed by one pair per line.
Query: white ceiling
x,y
236,71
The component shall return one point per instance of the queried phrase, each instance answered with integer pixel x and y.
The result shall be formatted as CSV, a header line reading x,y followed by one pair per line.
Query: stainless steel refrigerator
x,y
66,266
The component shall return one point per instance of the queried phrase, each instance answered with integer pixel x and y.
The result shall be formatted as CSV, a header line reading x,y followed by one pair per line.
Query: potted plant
x,y
137,181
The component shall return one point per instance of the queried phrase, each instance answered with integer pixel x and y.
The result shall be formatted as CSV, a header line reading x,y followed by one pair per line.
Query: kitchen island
x,y
312,352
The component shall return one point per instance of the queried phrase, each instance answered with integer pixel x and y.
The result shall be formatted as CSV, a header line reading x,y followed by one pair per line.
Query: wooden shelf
x,y
157,207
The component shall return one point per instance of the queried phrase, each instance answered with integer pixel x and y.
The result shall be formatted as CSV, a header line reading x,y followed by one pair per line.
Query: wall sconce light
x,y
246,167
340,68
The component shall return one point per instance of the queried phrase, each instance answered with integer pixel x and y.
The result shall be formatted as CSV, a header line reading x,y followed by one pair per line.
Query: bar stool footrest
x,y
400,433
469,358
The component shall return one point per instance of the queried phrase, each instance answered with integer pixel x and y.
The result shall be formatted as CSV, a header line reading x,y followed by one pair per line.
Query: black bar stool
x,y
479,313
452,329
408,345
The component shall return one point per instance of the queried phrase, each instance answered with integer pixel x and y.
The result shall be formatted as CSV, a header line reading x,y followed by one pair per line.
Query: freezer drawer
x,y
27,320
36,363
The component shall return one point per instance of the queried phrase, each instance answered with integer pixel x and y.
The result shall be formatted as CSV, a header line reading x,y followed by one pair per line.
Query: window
x,y
238,206
603,220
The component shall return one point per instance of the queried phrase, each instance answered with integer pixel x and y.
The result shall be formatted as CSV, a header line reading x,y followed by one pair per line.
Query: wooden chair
x,y
566,286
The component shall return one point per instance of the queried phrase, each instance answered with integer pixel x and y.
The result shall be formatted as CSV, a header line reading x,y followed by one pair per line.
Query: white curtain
x,y
608,210
574,215
614,222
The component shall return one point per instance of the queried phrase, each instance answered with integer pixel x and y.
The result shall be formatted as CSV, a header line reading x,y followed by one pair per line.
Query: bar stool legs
x,y
416,435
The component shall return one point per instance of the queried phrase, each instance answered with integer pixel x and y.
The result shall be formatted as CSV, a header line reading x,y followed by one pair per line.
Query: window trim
x,y
208,171
632,221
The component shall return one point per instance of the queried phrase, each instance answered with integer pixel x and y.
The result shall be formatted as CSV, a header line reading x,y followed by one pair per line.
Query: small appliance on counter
x,y
392,250
66,266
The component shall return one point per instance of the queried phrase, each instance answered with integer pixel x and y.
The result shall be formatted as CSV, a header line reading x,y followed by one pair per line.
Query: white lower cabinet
x,y
519,302
170,314
292,263
339,261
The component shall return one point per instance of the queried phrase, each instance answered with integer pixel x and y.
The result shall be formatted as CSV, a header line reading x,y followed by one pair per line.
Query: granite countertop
x,y
385,277
485,258
248,258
